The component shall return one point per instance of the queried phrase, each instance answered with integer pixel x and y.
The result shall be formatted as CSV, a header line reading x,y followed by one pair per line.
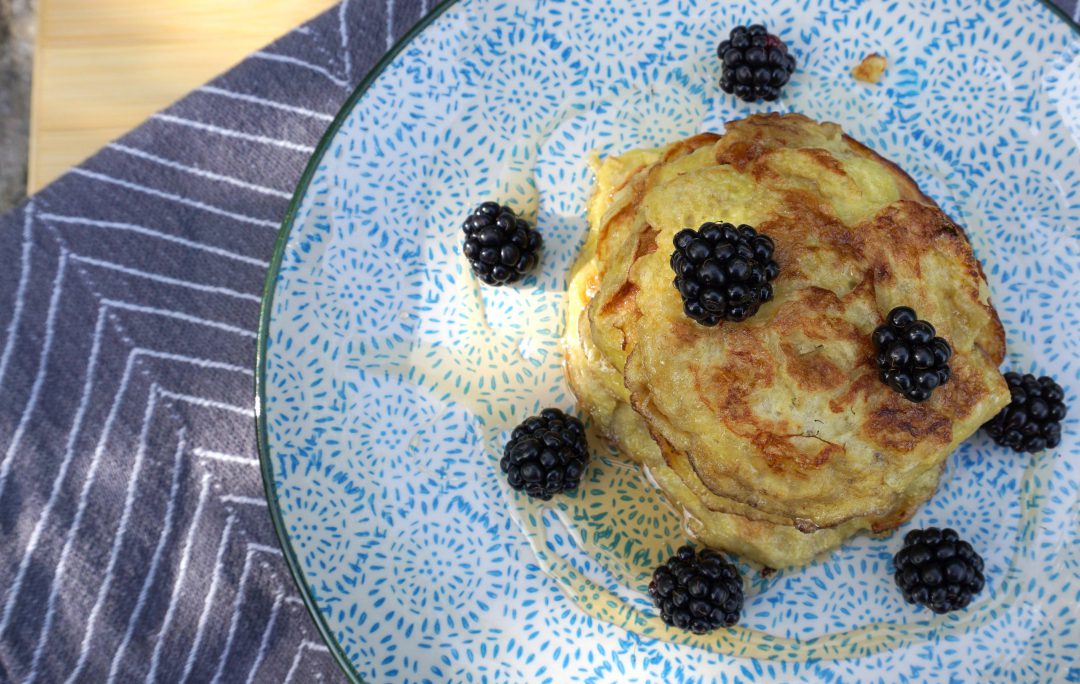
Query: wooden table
x,y
102,66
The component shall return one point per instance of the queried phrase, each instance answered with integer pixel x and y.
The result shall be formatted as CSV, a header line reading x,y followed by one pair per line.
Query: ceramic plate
x,y
388,379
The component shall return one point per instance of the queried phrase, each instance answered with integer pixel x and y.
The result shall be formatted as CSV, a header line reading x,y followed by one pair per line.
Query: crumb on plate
x,y
870,69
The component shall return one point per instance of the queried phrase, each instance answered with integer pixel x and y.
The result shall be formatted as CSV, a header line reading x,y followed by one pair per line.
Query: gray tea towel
x,y
136,544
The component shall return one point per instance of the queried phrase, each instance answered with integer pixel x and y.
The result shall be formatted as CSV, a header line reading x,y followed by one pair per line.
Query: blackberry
x,y
546,454
937,570
698,591
910,359
1032,420
723,272
756,64
500,246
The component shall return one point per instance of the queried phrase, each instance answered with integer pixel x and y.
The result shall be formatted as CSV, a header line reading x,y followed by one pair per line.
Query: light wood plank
x,y
102,66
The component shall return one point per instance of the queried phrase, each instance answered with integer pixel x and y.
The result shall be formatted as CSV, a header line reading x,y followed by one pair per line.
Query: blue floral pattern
x,y
393,377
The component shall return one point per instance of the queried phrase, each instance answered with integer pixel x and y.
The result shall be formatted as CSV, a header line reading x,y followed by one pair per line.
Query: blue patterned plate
x,y
388,379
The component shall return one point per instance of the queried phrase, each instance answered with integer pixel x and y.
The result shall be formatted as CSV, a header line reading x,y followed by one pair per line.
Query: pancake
x,y
598,386
775,433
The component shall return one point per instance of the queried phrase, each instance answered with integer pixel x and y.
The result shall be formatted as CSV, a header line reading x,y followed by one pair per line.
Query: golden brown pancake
x,y
775,433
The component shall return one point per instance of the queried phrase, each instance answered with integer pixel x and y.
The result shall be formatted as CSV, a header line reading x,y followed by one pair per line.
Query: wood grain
x,y
102,66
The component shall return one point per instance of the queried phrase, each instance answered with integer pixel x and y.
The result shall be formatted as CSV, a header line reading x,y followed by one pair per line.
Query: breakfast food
x,y
1032,420
500,246
697,590
756,63
937,570
546,454
910,359
775,434
723,272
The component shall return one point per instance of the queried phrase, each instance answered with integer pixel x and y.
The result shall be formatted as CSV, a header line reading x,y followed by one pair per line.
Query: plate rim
x,y
267,301
265,307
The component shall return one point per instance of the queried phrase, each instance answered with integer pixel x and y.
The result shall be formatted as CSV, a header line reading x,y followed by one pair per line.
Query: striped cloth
x,y
135,542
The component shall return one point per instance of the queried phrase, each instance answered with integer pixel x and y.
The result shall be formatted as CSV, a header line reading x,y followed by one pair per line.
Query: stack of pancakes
x,y
775,435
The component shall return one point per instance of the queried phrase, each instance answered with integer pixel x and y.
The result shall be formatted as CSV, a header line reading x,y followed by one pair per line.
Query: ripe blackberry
x,y
909,358
697,591
937,570
723,272
756,63
546,454
1032,420
500,246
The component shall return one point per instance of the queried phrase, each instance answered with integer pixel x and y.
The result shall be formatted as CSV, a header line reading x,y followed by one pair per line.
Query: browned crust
x,y
909,189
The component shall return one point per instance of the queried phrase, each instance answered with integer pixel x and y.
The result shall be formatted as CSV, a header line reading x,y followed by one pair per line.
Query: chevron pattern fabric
x,y
136,544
